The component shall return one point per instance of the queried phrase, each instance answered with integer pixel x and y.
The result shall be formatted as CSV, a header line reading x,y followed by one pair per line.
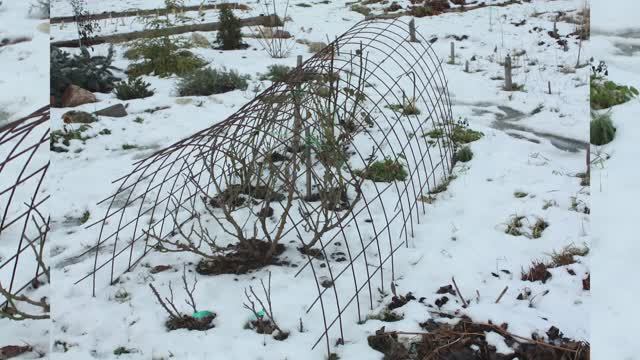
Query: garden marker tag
x,y
202,314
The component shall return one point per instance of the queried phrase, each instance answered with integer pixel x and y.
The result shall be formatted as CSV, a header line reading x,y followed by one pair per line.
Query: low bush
x,y
204,82
606,93
384,171
229,35
60,140
463,135
602,129
162,57
134,88
277,73
464,154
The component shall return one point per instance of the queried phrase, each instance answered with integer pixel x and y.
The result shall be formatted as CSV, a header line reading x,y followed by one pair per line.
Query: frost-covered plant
x,y
209,81
602,129
93,73
134,88
229,34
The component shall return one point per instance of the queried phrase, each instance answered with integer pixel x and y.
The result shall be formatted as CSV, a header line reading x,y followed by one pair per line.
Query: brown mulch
x,y
11,351
466,340
190,323
241,258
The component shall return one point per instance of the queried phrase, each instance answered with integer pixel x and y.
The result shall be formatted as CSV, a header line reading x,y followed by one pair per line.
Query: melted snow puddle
x,y
507,121
627,49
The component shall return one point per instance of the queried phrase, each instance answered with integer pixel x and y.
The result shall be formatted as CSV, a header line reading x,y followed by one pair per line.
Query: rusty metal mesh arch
x,y
362,80
24,222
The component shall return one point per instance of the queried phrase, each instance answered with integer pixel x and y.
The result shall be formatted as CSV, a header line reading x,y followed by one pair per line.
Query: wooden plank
x,y
144,12
265,20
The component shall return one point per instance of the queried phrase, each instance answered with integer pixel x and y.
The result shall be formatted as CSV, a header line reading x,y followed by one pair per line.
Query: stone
x,y
281,34
75,96
78,117
43,27
184,101
117,110
200,40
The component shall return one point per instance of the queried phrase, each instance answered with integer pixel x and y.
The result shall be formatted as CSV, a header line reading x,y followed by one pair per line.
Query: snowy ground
x,y
615,182
24,79
25,66
534,143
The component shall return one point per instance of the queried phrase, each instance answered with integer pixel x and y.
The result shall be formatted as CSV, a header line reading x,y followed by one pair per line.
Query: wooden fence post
x,y
508,82
453,53
412,31
307,147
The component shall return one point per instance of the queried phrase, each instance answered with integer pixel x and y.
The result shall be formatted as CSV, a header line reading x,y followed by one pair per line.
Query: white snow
x,y
24,74
615,182
461,236
497,340
24,80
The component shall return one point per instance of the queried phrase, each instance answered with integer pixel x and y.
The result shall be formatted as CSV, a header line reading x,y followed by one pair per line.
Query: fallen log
x,y
264,20
144,12
18,40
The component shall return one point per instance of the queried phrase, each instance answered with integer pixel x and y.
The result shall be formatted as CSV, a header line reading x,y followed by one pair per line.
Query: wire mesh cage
x,y
336,152
24,224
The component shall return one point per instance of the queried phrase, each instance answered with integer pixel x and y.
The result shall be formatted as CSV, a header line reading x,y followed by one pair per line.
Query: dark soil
x,y
241,258
400,301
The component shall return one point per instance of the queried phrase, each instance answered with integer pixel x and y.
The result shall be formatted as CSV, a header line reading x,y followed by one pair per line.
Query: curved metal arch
x,y
366,72
24,219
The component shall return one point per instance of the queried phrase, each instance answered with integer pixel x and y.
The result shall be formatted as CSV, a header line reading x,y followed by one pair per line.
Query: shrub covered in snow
x,y
134,88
